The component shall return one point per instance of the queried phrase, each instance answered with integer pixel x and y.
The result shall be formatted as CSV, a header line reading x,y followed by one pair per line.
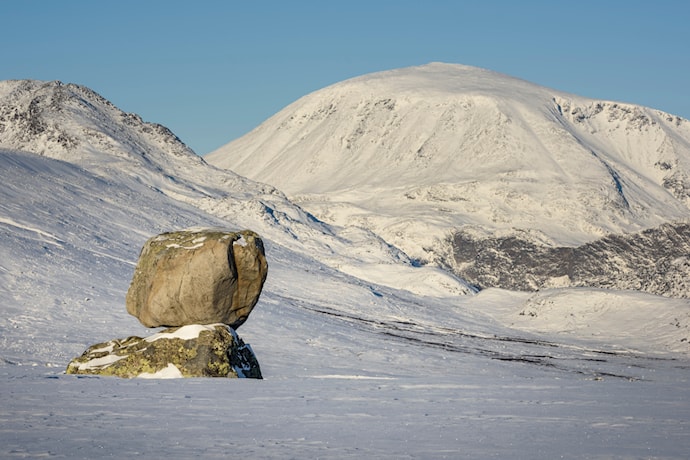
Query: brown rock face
x,y
199,276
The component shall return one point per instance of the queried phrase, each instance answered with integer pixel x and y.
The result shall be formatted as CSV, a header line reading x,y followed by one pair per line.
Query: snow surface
x,y
361,357
170,372
188,332
100,362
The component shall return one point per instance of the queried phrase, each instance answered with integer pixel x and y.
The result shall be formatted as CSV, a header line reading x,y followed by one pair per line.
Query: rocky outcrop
x,y
656,261
206,281
198,276
69,121
189,351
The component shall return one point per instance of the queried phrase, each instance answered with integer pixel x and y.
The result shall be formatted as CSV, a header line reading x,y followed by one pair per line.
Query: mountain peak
x,y
438,80
433,148
72,122
442,72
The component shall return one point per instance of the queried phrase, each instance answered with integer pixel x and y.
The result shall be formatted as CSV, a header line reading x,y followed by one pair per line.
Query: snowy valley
x,y
369,345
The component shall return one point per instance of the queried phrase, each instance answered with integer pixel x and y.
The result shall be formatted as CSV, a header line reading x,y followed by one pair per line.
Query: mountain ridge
x,y
336,146
72,123
418,154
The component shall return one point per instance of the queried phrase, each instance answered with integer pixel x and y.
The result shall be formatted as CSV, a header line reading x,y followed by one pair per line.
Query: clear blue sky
x,y
213,70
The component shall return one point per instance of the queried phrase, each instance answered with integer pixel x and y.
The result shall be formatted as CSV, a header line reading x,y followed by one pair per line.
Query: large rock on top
x,y
198,276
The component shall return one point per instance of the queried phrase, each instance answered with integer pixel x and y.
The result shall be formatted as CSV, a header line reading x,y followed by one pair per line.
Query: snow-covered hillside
x,y
417,154
364,353
72,123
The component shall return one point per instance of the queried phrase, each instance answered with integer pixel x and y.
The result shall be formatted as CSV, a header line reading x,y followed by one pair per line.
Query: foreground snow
x,y
508,412
354,370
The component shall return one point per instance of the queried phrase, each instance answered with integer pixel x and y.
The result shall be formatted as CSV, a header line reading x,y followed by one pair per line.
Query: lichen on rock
x,y
213,350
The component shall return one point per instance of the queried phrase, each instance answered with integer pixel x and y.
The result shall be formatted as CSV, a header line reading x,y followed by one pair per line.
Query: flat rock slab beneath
x,y
196,350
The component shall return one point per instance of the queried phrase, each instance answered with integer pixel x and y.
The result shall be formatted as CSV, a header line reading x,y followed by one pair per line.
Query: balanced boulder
x,y
190,351
198,276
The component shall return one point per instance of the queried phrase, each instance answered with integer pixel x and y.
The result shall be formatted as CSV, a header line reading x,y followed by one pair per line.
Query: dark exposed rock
x,y
655,260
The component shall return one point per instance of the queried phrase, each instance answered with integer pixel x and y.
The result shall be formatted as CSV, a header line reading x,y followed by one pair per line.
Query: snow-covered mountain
x,y
364,353
74,124
419,154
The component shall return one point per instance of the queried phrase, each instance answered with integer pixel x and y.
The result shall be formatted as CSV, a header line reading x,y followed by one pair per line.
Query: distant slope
x,y
456,145
418,154
655,260
74,124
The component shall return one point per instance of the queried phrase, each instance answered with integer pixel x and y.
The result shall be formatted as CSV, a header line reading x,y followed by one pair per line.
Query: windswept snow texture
x,y
364,353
